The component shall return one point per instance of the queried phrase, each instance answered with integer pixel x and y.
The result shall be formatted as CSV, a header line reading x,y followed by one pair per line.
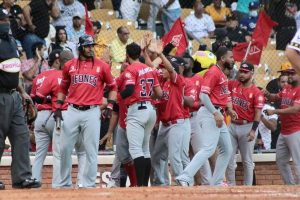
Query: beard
x,y
228,65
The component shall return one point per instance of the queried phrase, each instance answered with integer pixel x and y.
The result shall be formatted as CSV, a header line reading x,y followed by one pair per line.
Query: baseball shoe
x,y
2,186
182,183
111,184
28,183
224,184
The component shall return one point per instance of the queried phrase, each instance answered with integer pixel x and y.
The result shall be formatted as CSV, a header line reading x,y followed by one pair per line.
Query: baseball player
x,y
130,9
247,101
215,97
288,143
50,87
141,83
174,130
83,82
44,124
195,81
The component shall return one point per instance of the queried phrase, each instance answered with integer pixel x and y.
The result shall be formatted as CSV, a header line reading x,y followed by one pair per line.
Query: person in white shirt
x,y
199,25
267,125
130,9
171,11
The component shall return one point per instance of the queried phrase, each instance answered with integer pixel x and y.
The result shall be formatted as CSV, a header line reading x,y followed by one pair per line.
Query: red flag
x,y
177,37
253,57
263,28
88,23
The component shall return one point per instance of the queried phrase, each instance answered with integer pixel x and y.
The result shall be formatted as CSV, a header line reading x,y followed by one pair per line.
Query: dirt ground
x,y
158,193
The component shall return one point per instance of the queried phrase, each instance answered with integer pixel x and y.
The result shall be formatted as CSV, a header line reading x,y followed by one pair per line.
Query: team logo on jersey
x,y
84,78
72,69
98,69
39,81
287,101
127,75
224,90
59,80
240,102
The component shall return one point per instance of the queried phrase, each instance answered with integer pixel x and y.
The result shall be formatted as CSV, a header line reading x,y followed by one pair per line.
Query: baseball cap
x,y
3,13
253,5
55,54
176,62
246,67
284,67
77,16
86,40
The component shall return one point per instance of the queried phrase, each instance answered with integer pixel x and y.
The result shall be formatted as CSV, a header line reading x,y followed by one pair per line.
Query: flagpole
x,y
248,51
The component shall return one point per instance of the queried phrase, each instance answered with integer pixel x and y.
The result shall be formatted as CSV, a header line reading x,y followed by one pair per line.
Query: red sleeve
x,y
130,77
45,88
33,88
108,78
210,80
259,100
66,80
156,81
230,85
297,98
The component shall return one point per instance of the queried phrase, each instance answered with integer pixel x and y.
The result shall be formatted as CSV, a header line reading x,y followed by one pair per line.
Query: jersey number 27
x,y
146,84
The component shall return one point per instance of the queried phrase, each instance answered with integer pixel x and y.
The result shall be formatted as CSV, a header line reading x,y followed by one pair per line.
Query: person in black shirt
x,y
12,123
234,32
37,15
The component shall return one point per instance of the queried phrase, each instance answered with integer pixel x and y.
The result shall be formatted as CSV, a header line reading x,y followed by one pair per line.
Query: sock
x,y
139,166
123,176
130,170
147,162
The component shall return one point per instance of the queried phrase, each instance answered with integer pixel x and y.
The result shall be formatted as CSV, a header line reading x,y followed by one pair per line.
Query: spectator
x,y
51,36
101,47
77,30
154,8
283,13
34,66
171,11
199,25
37,15
249,23
218,12
17,21
67,9
243,8
118,45
130,9
234,32
62,43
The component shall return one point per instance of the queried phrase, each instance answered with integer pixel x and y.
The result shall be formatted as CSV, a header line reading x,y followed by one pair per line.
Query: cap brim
x,y
76,17
245,70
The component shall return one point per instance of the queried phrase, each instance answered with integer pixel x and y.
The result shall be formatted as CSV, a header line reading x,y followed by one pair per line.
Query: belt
x,y
172,122
142,105
8,91
82,108
239,121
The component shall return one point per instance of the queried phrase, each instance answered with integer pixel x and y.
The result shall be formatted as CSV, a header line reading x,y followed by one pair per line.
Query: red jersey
x,y
290,96
121,102
83,81
143,78
170,107
245,100
194,92
215,84
188,92
38,82
51,86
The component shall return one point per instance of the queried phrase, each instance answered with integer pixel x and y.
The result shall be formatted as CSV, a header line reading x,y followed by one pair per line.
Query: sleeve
x,y
210,80
259,100
211,24
156,81
129,77
297,98
66,80
295,43
45,88
108,78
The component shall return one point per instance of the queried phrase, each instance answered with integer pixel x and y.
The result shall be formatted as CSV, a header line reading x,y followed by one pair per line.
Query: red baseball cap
x,y
246,67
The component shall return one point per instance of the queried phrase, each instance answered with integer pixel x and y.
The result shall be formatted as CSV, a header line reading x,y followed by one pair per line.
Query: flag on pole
x,y
177,37
252,56
263,28
88,23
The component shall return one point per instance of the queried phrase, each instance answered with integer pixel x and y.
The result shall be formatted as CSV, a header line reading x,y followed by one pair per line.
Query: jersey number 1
x,y
144,83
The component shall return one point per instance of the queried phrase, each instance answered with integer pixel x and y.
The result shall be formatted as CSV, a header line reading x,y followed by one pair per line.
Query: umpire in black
x,y
12,121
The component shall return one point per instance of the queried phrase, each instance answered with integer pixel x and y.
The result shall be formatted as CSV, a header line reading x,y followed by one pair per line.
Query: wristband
x,y
255,125
110,104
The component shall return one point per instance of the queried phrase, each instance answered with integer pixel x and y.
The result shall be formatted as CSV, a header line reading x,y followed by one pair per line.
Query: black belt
x,y
141,104
8,91
82,108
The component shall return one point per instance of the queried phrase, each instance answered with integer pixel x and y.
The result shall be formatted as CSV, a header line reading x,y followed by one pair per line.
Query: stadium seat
x,y
137,35
108,35
116,23
103,15
107,4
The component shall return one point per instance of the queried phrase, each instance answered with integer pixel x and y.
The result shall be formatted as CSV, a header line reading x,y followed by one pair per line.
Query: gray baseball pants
x,y
210,137
172,142
205,170
87,124
289,146
239,140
